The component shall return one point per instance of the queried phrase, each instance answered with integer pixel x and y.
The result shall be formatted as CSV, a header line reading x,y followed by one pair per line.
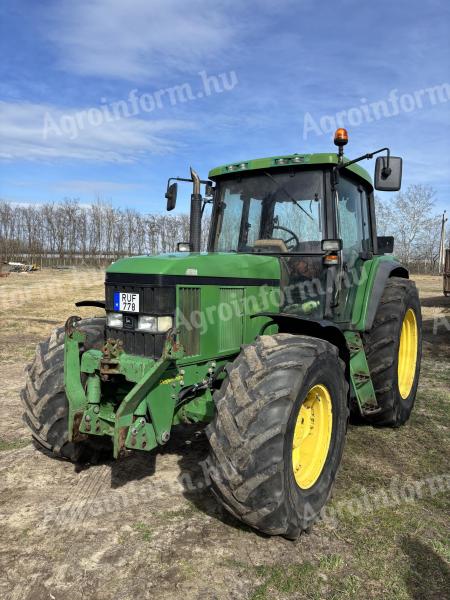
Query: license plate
x,y
126,302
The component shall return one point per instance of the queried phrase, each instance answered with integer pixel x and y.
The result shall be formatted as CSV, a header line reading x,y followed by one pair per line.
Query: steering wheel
x,y
293,238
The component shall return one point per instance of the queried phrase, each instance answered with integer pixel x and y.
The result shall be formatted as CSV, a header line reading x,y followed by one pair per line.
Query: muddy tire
x,y
253,435
44,400
395,365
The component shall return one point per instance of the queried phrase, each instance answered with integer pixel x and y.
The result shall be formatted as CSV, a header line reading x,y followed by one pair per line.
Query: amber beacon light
x,y
340,137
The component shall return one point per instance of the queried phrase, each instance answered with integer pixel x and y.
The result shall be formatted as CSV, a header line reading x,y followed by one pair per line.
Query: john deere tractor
x,y
295,317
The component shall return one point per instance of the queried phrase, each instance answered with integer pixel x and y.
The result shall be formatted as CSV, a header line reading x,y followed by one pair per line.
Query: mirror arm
x,y
205,181
365,156
368,156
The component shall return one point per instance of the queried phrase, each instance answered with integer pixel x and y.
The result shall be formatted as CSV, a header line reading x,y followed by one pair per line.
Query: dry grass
x,y
33,304
178,544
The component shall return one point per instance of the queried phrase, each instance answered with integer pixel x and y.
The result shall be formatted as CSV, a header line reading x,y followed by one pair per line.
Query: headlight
x,y
146,323
164,324
154,324
114,320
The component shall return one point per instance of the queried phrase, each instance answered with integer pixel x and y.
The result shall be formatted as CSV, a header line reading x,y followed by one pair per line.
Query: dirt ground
x,y
146,526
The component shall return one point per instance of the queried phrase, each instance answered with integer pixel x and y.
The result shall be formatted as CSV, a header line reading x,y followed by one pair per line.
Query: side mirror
x,y
388,178
171,195
209,190
385,244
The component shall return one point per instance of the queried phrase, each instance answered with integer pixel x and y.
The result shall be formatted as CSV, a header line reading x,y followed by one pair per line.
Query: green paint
x,y
95,423
72,377
364,291
200,409
161,407
218,321
231,330
212,264
133,368
93,390
141,436
361,381
125,412
292,160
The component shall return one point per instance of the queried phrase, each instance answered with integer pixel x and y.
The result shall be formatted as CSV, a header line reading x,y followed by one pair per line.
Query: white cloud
x,y
22,129
135,39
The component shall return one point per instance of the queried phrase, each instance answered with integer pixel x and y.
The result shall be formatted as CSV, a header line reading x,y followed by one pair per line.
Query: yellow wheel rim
x,y
407,354
312,436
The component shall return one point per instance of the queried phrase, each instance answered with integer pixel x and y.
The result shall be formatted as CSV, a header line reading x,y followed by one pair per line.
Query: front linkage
x,y
162,391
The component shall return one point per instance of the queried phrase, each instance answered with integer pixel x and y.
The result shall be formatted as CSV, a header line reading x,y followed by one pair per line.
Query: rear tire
x,y
44,400
251,462
399,304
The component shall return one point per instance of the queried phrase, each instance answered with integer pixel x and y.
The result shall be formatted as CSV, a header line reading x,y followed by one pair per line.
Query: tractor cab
x,y
279,212
314,213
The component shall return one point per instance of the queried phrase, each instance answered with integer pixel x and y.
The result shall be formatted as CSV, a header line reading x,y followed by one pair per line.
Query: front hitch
x,y
143,419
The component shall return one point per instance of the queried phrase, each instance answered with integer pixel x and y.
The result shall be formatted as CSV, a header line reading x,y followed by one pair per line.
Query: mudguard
x,y
381,271
322,329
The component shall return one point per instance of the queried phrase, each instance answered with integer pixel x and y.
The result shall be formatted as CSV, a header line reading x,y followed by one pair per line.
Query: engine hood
x,y
199,265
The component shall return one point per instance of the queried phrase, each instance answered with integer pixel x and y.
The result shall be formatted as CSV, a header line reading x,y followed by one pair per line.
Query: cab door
x,y
354,228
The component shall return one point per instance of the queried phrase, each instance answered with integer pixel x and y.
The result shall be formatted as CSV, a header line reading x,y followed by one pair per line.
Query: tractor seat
x,y
275,245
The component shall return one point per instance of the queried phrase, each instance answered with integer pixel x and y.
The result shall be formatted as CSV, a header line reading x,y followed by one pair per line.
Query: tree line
x,y
412,219
71,233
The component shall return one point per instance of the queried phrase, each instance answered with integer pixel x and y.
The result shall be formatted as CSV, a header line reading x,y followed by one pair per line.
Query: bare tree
x,y
75,234
411,219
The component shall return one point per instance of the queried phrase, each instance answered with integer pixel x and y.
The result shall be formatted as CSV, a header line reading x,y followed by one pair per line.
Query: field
x,y
146,525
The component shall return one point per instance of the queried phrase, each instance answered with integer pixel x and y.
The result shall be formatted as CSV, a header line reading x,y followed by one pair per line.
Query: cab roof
x,y
285,161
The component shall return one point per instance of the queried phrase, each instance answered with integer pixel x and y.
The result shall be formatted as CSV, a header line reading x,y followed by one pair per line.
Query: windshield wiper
x,y
280,187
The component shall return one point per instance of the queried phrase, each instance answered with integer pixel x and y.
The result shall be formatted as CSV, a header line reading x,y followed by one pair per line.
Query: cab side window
x,y
353,220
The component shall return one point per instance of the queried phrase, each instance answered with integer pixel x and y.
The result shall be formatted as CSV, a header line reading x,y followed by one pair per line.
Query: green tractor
x,y
295,318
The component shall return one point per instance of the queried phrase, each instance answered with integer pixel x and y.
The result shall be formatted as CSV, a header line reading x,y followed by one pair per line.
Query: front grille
x,y
154,300
189,309
231,330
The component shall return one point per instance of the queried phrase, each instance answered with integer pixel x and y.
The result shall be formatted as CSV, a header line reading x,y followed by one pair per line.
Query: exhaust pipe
x,y
195,223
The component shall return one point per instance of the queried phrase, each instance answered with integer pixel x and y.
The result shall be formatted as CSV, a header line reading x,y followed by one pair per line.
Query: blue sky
x,y
283,62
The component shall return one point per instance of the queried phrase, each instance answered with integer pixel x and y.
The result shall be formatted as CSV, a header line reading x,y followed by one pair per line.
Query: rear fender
x,y
369,296
323,329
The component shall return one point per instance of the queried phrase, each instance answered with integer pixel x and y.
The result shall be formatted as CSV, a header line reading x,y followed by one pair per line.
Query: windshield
x,y
271,212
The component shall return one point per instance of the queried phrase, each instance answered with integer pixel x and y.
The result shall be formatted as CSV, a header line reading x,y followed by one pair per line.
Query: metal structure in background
x,y
446,273
444,257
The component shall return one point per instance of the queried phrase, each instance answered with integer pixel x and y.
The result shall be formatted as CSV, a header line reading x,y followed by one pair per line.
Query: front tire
x,y
267,466
44,400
